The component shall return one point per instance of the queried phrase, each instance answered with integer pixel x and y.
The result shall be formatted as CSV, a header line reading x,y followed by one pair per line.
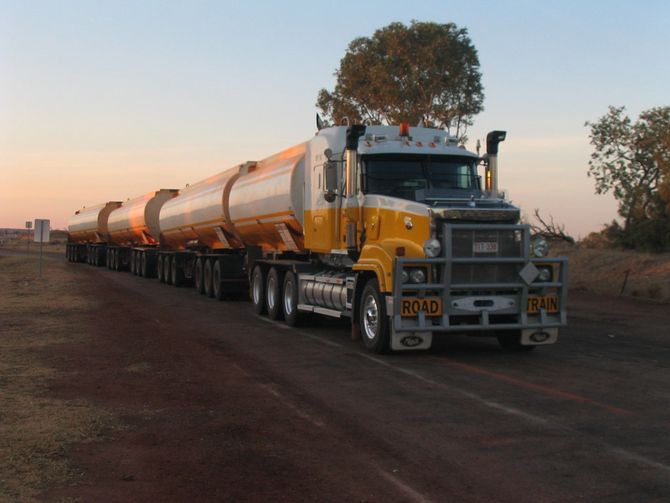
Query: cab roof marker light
x,y
404,129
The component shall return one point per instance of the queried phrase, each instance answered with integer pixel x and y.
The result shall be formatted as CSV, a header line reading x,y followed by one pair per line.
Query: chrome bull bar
x,y
479,306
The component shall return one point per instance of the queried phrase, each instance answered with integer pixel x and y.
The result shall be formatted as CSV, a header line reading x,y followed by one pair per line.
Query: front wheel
x,y
510,340
373,319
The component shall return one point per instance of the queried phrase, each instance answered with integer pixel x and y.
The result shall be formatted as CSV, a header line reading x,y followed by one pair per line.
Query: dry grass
x,y
36,315
604,271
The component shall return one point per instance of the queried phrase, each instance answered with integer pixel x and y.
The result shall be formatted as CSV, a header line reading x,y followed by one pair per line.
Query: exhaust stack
x,y
353,209
492,141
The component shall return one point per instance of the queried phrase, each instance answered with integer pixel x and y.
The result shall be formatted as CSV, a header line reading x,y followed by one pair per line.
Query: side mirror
x,y
330,177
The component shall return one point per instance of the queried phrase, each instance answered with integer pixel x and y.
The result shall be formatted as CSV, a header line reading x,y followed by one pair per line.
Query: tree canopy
x,y
632,160
422,72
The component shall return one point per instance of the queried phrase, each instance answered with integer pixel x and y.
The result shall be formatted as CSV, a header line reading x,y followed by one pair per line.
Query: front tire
x,y
373,319
258,290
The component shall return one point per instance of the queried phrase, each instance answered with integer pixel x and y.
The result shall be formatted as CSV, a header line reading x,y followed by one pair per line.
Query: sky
x,y
108,100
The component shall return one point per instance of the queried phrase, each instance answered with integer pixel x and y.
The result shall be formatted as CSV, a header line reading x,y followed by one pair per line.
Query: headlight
x,y
540,247
432,248
417,276
544,274
404,276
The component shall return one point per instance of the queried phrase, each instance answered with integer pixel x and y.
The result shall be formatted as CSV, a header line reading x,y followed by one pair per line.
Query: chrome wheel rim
x,y
257,288
288,297
271,292
370,317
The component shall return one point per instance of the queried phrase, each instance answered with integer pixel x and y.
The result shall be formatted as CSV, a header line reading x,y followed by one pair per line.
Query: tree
x,y
423,72
550,229
632,160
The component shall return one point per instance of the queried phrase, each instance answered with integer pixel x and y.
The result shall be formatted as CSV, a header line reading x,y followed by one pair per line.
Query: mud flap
x,y
538,336
407,341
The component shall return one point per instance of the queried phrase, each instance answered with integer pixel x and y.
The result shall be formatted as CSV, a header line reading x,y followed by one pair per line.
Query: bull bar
x,y
454,319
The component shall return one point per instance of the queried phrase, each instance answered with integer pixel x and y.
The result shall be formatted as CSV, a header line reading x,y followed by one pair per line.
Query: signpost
x,y
29,225
41,235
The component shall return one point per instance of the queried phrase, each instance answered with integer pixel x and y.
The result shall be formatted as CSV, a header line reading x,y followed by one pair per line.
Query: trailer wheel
x,y
373,318
292,316
144,269
177,275
198,279
510,340
273,294
217,280
258,290
138,263
167,270
159,268
207,278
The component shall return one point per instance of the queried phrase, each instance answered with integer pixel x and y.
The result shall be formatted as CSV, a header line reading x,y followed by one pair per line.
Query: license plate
x,y
412,306
485,247
548,302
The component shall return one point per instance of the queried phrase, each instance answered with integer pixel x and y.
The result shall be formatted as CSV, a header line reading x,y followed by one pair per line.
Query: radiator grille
x,y
497,243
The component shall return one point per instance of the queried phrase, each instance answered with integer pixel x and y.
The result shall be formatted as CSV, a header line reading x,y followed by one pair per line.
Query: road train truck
x,y
398,229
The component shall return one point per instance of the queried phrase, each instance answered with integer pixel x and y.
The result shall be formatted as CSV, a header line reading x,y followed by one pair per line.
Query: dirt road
x,y
220,405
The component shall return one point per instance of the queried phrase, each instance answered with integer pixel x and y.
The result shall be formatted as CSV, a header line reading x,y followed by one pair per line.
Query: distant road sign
x,y
41,230
29,224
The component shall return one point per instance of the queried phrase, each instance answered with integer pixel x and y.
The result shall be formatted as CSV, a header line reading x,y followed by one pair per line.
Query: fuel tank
x,y
266,203
200,213
89,225
135,223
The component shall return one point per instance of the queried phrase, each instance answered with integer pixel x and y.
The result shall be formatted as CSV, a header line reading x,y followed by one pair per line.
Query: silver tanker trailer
x,y
88,233
134,233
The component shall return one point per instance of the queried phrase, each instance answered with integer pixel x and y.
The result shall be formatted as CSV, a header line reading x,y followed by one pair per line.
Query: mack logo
x,y
539,336
411,341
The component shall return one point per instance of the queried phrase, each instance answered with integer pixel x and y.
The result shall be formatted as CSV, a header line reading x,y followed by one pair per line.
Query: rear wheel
x,y
138,263
290,299
167,270
510,340
258,290
144,266
273,291
207,278
217,280
197,278
159,269
373,318
177,275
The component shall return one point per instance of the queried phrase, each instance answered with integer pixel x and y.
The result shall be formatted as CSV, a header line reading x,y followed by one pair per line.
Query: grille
x,y
505,243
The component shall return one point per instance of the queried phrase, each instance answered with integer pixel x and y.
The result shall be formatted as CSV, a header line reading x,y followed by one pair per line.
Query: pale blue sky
x,y
109,100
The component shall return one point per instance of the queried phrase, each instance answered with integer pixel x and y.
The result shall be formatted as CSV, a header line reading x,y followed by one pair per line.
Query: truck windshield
x,y
417,178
